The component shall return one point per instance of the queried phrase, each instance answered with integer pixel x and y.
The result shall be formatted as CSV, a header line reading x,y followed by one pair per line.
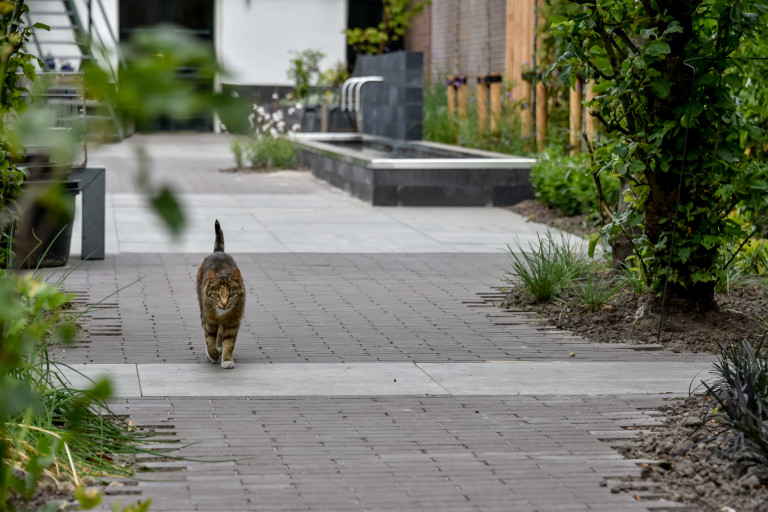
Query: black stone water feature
x,y
388,165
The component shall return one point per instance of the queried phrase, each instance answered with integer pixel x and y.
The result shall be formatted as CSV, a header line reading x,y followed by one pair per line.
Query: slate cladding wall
x,y
393,108
423,187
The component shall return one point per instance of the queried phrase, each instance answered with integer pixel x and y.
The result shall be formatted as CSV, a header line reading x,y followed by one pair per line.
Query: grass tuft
x,y
545,269
594,292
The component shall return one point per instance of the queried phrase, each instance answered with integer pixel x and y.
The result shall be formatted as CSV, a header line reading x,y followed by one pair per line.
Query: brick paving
x,y
527,453
517,453
356,453
323,308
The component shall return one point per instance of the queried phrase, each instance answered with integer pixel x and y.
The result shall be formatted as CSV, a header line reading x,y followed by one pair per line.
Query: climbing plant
x,y
396,16
15,65
667,92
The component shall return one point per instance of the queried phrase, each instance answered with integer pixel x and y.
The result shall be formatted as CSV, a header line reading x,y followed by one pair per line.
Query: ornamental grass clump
x,y
594,292
546,268
740,389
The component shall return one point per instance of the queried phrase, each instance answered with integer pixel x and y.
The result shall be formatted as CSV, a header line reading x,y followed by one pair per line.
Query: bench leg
x,y
93,189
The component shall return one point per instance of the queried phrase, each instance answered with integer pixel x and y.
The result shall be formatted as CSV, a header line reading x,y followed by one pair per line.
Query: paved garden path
x,y
373,370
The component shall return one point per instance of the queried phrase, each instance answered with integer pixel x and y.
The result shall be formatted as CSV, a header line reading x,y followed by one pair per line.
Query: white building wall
x,y
255,39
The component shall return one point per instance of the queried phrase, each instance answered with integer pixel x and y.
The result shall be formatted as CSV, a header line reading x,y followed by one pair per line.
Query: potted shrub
x,y
36,213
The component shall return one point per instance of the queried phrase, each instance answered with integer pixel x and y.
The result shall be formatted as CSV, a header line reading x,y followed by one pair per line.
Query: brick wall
x,y
460,37
419,36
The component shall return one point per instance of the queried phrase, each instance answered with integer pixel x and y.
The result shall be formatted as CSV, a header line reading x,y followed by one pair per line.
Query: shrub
x,y
46,427
565,183
239,148
304,70
269,151
741,391
667,79
547,268
437,125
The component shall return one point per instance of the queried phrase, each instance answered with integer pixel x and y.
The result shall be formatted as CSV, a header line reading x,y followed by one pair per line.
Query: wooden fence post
x,y
450,93
495,90
461,97
482,104
575,118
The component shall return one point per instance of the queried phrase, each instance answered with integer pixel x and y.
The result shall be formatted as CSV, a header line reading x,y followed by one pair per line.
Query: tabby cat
x,y
221,294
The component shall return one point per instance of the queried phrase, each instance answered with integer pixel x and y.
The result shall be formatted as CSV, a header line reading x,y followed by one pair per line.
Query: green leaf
x,y
41,26
657,48
602,86
660,88
556,20
684,253
674,28
620,150
733,81
593,238
169,209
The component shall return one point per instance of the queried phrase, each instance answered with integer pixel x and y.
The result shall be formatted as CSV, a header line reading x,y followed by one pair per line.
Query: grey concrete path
x,y
395,379
374,371
276,212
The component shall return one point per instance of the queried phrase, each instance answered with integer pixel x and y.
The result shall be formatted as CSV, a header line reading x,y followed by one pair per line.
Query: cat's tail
x,y
218,246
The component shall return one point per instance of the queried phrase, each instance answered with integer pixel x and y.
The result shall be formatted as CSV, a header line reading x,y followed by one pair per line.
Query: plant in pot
x,y
36,202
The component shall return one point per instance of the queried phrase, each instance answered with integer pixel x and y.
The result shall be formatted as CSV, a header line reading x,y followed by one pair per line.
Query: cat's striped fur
x,y
221,294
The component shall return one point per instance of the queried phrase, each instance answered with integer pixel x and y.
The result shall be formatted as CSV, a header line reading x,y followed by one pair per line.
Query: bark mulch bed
x,y
689,469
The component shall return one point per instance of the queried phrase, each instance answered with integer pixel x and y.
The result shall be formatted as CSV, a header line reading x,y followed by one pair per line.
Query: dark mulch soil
x,y
628,319
688,470
690,467
47,492
535,211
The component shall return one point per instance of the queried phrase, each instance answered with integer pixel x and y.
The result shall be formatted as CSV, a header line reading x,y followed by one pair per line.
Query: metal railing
x,y
86,39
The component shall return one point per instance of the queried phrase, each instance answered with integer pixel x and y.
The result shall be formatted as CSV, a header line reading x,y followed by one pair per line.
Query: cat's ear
x,y
236,276
211,275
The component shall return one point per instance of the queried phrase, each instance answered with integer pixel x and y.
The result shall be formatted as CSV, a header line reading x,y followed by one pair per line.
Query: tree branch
x,y
610,126
604,208
627,40
14,17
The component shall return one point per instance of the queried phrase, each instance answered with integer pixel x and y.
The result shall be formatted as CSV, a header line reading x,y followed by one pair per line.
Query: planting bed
x,y
689,471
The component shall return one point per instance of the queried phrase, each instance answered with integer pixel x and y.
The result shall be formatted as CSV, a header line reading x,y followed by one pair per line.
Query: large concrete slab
x,y
280,212
286,380
566,378
124,378
326,222
398,379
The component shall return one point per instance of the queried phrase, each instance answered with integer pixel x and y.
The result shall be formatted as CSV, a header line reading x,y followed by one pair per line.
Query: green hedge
x,y
564,182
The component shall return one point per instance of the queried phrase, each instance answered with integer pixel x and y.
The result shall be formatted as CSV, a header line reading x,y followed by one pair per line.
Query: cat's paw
x,y
212,358
227,365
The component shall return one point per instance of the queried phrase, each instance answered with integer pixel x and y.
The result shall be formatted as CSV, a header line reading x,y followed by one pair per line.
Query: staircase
x,y
80,32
